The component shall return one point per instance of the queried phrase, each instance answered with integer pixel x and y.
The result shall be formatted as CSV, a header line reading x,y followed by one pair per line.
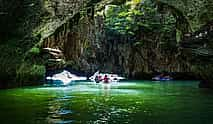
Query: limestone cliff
x,y
25,24
197,49
196,34
196,12
86,47
77,29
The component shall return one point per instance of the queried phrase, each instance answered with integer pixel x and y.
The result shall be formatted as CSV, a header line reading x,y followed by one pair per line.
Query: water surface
x,y
130,102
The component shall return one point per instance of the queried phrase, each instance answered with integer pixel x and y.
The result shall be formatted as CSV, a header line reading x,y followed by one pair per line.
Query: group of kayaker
x,y
98,79
66,77
108,78
105,77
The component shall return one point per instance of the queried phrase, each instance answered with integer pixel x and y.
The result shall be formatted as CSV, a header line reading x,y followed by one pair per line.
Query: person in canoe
x,y
162,77
98,78
106,79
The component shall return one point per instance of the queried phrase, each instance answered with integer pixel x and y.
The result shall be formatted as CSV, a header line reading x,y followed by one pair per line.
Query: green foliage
x,y
122,20
35,51
10,56
137,17
13,54
28,73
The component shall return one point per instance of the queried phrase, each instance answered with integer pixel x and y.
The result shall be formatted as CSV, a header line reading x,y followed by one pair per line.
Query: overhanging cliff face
x,y
32,21
60,12
83,40
196,12
85,47
70,26
197,49
196,43
38,16
77,40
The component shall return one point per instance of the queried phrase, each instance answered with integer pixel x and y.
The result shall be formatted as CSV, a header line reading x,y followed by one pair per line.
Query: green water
x,y
132,102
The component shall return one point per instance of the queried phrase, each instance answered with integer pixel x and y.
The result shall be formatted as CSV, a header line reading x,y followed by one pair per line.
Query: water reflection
x,y
125,102
104,103
59,112
106,90
93,88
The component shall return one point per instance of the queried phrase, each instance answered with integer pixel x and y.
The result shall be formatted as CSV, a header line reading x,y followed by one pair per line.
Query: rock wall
x,y
138,61
77,40
196,43
86,48
71,27
197,49
25,24
196,12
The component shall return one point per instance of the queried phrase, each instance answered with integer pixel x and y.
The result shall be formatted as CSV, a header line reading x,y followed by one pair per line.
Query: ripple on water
x,y
58,114
59,121
60,117
64,98
64,112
